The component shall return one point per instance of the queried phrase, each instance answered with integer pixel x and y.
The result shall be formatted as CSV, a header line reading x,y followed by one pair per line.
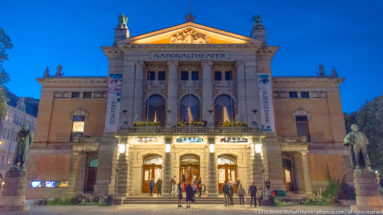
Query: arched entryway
x,y
90,179
227,170
152,169
189,167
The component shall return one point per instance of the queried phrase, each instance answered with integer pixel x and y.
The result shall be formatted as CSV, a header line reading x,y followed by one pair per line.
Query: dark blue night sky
x,y
346,34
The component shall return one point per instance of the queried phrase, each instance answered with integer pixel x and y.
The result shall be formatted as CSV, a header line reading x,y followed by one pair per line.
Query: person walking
x,y
225,190
231,193
241,194
189,195
151,186
159,187
179,194
174,186
253,192
200,186
259,195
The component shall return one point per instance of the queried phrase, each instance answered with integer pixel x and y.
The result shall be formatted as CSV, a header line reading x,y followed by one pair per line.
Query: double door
x,y
227,173
150,172
188,172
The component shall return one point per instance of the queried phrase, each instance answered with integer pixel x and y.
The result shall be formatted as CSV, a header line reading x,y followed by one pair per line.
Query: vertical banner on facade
x,y
113,105
266,102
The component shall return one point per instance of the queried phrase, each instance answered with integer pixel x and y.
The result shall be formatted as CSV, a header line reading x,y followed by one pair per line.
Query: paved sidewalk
x,y
172,209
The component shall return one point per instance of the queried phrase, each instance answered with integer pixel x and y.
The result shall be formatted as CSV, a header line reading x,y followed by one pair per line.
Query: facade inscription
x,y
190,55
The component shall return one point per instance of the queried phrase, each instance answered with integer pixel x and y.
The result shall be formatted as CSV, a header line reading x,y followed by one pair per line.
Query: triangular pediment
x,y
190,33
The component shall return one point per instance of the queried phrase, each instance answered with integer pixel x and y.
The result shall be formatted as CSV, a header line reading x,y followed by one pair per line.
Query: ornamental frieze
x,y
189,36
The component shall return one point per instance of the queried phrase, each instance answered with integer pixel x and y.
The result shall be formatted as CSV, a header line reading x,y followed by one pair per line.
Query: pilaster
x,y
251,94
212,185
273,154
167,176
139,78
127,94
207,103
172,94
241,91
122,171
72,182
306,173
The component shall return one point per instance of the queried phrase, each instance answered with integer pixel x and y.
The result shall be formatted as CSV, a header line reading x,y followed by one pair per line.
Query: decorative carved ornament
x,y
189,36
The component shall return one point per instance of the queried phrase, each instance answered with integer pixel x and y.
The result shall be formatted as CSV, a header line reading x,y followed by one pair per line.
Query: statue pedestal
x,y
13,194
367,191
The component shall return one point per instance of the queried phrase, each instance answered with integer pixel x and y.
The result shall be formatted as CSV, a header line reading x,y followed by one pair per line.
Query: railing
x,y
301,139
189,130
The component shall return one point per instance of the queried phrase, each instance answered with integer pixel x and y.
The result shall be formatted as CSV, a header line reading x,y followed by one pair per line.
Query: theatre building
x,y
186,101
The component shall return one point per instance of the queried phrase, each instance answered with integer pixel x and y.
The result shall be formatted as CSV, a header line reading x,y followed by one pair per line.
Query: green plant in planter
x,y
144,124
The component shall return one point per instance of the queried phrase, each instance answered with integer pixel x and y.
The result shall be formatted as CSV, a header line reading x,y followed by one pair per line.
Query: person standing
x,y
259,195
225,190
241,194
238,182
268,190
253,193
174,186
231,193
189,195
151,186
200,186
159,187
179,194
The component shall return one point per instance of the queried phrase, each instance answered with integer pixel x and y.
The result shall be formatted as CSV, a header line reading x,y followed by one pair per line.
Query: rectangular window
x,y
78,124
87,95
151,76
228,76
305,95
195,76
161,76
293,94
184,76
217,75
303,127
75,94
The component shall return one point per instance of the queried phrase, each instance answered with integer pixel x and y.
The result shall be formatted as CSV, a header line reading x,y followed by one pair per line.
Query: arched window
x,y
190,108
155,109
224,109
225,159
153,159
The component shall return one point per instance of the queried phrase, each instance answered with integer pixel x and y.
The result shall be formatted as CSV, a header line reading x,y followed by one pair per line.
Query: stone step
x,y
203,200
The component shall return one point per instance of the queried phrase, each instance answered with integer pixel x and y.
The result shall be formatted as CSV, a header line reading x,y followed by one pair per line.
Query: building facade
x,y
186,101
19,112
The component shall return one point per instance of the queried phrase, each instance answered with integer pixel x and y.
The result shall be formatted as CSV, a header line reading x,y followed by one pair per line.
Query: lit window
x,y
224,109
302,127
228,76
217,75
87,95
293,94
305,95
184,75
151,76
161,76
195,76
190,109
78,124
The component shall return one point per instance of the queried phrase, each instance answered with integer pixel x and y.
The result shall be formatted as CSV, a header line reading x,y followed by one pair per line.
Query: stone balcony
x,y
189,130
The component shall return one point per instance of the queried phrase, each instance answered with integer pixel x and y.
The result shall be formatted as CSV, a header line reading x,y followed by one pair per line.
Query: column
x,y
212,186
127,94
107,163
167,176
71,189
258,168
297,173
139,78
251,93
207,93
306,173
172,94
273,158
122,169
241,91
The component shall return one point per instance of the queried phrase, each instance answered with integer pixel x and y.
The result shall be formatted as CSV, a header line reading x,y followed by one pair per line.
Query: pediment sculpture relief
x,y
189,36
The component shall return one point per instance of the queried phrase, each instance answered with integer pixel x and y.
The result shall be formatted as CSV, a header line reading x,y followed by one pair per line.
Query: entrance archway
x,y
189,168
152,169
227,171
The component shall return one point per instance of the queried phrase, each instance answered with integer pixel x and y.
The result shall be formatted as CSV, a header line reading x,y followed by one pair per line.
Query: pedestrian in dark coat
x,y
189,195
180,197
226,190
159,187
200,186
241,194
231,193
253,194
151,186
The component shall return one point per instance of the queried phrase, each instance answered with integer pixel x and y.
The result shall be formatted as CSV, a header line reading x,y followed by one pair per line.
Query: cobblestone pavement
x,y
172,209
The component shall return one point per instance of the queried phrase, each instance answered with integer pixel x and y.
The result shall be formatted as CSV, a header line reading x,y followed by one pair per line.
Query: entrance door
x,y
152,169
288,173
227,171
189,168
90,180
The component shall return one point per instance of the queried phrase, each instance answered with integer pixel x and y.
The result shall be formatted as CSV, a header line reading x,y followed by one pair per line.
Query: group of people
x,y
190,189
158,184
256,194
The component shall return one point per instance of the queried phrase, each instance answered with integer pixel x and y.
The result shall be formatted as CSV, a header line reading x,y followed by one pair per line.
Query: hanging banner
x,y
113,103
266,102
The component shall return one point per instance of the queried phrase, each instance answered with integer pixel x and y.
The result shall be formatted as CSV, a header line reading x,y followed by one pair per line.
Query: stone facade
x,y
186,101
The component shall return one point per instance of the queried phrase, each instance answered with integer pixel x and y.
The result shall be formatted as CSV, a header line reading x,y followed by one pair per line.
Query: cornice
x,y
189,46
88,81
309,79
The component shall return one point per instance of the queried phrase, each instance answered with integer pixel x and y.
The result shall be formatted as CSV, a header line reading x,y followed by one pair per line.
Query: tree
x,y
5,44
369,118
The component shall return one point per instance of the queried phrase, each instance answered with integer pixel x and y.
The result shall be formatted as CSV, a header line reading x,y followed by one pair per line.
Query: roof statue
x,y
321,72
189,36
59,72
334,74
46,73
256,19
122,19
189,18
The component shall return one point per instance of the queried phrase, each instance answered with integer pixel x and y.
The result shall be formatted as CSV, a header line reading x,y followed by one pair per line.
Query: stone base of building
x,y
367,191
13,194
